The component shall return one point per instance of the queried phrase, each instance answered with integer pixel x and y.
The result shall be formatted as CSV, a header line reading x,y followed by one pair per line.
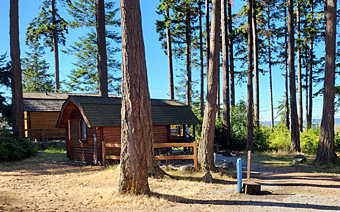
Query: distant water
x,y
314,121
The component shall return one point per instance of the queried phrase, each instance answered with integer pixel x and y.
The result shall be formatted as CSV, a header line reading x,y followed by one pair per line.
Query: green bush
x,y
279,140
12,148
337,141
261,138
309,140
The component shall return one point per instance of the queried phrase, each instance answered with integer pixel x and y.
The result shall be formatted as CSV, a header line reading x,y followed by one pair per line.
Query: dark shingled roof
x,y
41,101
101,112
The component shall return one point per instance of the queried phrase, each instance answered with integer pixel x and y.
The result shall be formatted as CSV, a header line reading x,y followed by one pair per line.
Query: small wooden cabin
x,y
41,112
90,120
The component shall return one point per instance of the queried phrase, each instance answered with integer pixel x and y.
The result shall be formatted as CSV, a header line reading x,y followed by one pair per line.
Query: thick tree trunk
x,y
326,153
256,69
294,127
201,60
310,114
231,57
299,66
188,52
206,150
136,106
286,71
169,52
250,143
270,71
16,73
225,75
101,42
56,51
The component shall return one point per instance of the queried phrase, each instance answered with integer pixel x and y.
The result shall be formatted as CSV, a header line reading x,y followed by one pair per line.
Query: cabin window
x,y
83,129
77,130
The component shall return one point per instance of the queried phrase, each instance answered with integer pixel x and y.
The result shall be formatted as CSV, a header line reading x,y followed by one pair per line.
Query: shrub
x,y
261,138
279,140
12,148
309,140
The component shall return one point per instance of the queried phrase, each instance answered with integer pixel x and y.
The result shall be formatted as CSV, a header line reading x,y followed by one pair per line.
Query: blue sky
x,y
155,57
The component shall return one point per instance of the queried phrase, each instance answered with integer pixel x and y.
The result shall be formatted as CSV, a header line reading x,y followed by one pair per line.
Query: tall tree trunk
x,y
168,42
101,42
16,73
250,143
270,71
188,52
207,36
309,119
326,153
286,71
294,127
136,105
225,75
299,66
256,69
55,46
206,150
201,60
231,56
306,81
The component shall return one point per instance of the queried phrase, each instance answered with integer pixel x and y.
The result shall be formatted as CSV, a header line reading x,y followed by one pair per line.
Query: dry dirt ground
x,y
49,182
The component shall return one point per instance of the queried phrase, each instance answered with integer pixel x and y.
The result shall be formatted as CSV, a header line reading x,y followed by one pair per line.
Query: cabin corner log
x,y
156,145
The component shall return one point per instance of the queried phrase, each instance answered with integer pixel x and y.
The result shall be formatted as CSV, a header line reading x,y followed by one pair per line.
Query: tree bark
x,y
250,143
299,66
326,153
201,60
206,150
136,106
169,50
101,42
306,81
295,135
231,56
270,71
188,52
225,75
207,36
16,73
256,69
56,51
310,114
286,72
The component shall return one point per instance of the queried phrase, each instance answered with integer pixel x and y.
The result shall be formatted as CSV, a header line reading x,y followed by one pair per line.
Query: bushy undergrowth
x,y
12,148
264,138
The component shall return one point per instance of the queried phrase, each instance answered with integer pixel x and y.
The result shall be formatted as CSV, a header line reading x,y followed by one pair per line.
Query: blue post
x,y
239,175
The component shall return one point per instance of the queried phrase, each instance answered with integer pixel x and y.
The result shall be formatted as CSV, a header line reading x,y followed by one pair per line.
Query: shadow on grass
x,y
283,163
46,162
199,179
277,205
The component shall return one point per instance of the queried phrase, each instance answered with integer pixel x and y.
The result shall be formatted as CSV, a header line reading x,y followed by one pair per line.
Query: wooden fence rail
x,y
157,157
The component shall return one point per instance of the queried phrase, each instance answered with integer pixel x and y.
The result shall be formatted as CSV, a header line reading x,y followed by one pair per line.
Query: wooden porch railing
x,y
157,157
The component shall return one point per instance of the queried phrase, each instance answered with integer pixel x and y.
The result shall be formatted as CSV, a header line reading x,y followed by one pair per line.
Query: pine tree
x,y
326,153
136,105
85,76
50,28
17,102
206,150
295,135
35,77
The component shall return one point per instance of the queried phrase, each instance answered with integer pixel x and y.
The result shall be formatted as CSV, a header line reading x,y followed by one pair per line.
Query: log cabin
x,y
90,120
41,112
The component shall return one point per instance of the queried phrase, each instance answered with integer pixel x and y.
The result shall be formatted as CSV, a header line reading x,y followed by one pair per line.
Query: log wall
x,y
42,125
